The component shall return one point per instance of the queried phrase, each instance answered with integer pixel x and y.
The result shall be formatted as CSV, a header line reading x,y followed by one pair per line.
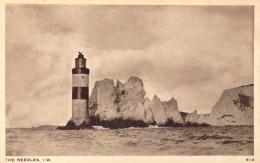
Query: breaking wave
x,y
100,128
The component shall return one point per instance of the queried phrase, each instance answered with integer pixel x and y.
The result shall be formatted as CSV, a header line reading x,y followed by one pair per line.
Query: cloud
x,y
103,27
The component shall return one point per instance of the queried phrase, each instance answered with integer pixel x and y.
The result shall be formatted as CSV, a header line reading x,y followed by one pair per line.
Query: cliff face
x,y
127,100
235,107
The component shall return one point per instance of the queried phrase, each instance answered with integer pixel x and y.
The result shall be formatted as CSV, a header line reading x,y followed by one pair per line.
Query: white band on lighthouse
x,y
79,113
80,80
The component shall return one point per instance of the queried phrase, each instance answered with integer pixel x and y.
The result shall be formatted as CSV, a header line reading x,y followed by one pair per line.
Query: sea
x,y
154,140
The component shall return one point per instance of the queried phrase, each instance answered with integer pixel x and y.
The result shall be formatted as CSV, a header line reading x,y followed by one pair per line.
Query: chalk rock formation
x,y
128,100
171,108
109,101
204,118
164,110
235,107
194,117
103,99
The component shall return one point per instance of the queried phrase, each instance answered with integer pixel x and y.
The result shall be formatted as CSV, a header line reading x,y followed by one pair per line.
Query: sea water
x,y
227,140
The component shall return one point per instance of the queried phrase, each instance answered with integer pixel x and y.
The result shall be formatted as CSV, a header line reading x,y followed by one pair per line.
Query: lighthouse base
x,y
80,111
78,122
71,125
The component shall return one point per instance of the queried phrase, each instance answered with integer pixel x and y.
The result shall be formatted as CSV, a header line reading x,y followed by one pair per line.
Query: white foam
x,y
99,128
134,128
153,126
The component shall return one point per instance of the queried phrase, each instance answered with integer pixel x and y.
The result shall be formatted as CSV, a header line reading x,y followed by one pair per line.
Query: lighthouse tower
x,y
80,91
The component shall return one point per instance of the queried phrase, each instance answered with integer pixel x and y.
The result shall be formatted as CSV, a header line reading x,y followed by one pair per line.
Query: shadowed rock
x,y
72,126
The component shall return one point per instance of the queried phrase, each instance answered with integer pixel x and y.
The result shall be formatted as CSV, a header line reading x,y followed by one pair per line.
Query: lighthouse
x,y
80,91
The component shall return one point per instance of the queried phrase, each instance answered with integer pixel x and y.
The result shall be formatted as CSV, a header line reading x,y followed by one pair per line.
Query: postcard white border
x,y
150,159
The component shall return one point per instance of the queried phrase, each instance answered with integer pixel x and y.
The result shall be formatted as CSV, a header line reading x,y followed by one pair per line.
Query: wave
x,y
205,137
133,128
103,128
153,126
231,142
99,128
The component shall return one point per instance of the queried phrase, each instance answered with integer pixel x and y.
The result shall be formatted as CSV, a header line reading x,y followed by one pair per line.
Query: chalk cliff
x,y
109,101
235,107
127,100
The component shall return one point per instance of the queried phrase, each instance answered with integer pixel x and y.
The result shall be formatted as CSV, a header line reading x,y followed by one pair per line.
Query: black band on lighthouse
x,y
80,71
80,93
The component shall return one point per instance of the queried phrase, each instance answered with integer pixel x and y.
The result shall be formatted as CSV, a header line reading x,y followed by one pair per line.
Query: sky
x,y
191,53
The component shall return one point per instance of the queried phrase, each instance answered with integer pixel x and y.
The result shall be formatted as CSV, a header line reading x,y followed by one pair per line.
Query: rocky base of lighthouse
x,y
71,125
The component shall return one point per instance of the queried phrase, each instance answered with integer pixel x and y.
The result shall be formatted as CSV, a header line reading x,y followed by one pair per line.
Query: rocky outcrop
x,y
235,107
109,101
194,117
103,99
127,100
204,119
71,125
164,110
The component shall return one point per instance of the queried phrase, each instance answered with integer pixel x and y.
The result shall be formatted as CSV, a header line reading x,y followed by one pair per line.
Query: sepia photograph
x,y
129,80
